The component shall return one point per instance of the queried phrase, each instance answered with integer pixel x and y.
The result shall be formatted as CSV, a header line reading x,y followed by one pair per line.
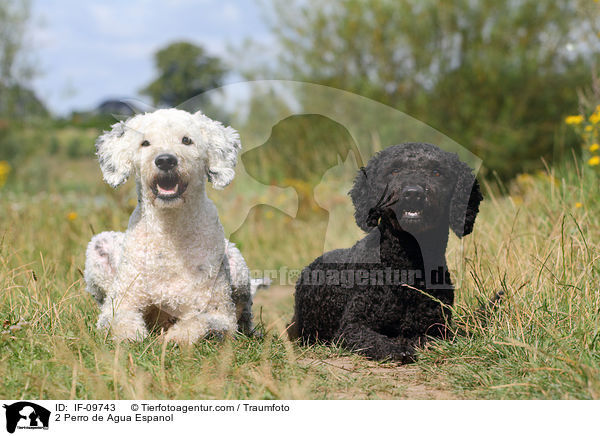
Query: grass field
x,y
531,240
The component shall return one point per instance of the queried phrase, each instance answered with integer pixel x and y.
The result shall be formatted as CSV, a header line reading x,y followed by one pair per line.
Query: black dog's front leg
x,y
361,326
366,341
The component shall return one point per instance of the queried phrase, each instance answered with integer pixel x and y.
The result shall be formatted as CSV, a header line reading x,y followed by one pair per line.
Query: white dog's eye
x,y
187,141
146,143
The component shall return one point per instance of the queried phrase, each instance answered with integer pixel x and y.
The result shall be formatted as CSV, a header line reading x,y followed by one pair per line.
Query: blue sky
x,y
88,51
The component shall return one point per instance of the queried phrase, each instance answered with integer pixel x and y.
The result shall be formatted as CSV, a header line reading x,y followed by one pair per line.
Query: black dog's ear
x,y
464,205
362,199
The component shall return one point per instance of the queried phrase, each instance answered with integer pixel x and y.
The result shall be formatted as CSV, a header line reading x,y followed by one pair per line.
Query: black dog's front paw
x,y
396,351
404,357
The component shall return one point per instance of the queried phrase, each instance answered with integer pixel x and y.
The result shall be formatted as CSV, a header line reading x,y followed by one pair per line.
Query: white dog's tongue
x,y
167,191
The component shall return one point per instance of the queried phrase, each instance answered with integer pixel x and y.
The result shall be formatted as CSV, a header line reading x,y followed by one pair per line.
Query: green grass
x,y
543,341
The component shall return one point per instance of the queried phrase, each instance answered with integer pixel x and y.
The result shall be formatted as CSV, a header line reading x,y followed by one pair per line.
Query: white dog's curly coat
x,y
173,266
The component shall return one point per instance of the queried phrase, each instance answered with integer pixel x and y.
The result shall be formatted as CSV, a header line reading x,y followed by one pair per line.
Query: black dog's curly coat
x,y
406,199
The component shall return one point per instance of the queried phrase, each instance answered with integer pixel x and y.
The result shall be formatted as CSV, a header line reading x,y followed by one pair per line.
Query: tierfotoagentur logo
x,y
25,415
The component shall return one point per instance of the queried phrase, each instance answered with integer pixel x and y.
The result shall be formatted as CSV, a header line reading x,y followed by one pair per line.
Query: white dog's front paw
x,y
184,335
124,327
130,334
190,330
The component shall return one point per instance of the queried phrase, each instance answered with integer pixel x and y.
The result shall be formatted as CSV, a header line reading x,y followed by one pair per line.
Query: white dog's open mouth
x,y
168,186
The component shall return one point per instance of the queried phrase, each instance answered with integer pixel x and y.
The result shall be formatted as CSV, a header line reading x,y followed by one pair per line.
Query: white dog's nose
x,y
165,162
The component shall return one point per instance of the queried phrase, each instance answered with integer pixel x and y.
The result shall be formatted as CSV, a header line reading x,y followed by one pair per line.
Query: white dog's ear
x,y
223,147
114,152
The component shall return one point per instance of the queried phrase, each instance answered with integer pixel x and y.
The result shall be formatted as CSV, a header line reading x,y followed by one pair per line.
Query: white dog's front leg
x,y
124,318
219,316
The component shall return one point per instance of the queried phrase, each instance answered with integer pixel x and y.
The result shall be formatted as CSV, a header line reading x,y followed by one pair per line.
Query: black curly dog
x,y
406,199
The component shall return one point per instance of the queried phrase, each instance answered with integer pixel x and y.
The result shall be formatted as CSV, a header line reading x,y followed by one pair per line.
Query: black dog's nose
x,y
413,193
165,162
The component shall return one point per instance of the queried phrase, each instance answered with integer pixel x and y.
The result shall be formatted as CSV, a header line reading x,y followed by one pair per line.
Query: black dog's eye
x,y
187,141
436,173
395,171
146,143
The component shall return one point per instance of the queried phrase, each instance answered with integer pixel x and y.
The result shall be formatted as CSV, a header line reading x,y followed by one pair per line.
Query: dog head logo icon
x,y
26,415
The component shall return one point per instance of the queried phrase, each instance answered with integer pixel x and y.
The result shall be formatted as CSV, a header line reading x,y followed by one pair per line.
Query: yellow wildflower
x,y
594,147
72,216
578,205
4,171
595,117
574,119
594,160
4,168
589,128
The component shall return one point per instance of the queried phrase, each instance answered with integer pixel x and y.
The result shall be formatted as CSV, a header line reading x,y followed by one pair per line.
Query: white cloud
x,y
178,3
125,20
140,50
231,12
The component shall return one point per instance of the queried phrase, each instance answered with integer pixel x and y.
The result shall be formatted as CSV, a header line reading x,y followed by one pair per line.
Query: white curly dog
x,y
173,267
